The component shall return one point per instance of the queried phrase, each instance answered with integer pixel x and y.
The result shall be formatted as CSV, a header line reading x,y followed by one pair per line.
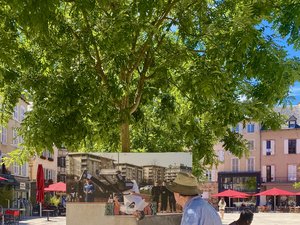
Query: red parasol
x,y
275,192
58,187
240,196
2,178
298,193
40,183
231,193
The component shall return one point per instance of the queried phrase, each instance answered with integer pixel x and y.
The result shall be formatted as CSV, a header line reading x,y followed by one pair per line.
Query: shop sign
x,y
22,185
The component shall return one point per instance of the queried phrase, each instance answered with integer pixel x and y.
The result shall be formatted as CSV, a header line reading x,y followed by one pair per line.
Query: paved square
x,y
266,218
43,221
259,219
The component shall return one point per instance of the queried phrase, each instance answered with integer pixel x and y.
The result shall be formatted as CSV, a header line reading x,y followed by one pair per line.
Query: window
x,y
292,146
250,164
20,139
251,145
221,155
292,172
48,174
235,164
236,129
268,147
16,168
211,175
292,124
208,175
15,115
24,169
22,113
15,137
4,136
44,153
250,128
49,154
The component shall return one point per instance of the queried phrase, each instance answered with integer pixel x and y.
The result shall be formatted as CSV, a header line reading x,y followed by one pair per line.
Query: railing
x,y
280,180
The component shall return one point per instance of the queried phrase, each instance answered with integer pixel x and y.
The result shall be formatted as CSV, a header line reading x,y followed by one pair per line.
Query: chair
x,y
11,216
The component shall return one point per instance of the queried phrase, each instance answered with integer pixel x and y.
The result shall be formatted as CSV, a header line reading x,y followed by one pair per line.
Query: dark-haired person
x,y
172,201
155,193
163,197
246,218
196,211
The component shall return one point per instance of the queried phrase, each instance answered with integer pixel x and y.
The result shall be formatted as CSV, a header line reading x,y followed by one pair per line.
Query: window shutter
x,y
213,175
272,147
286,146
264,147
264,173
298,146
273,173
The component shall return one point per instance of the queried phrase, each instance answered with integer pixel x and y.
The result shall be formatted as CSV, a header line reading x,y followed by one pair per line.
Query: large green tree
x,y
157,75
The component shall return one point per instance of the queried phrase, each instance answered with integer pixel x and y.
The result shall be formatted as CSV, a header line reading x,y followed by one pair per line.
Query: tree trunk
x,y
125,139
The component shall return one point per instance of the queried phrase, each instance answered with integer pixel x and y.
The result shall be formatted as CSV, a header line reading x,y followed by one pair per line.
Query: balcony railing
x,y
280,180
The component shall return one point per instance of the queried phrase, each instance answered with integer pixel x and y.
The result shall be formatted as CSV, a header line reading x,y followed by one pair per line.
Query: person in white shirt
x,y
134,204
222,205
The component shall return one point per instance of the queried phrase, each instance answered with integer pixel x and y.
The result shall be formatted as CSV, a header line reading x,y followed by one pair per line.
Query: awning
x,y
8,180
2,178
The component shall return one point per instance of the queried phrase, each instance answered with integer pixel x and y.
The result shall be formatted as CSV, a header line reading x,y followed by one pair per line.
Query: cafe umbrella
x,y
40,185
231,194
57,187
275,192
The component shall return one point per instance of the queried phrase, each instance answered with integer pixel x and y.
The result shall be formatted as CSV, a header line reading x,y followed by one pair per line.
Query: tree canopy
x,y
144,75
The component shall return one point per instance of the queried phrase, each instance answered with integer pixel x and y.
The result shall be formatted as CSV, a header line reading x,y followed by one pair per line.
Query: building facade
x,y
241,174
48,159
130,171
77,163
280,151
18,175
61,165
172,171
152,173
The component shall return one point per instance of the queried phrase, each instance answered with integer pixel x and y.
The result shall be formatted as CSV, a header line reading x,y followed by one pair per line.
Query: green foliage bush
x,y
5,194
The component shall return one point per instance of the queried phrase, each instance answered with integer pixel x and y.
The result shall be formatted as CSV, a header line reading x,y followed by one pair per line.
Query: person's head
x,y
185,186
222,200
246,217
156,183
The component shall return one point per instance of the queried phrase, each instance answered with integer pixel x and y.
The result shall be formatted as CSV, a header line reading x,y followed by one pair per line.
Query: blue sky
x,y
295,89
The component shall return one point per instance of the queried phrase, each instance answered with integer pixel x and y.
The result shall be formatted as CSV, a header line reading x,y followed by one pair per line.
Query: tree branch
x,y
145,47
81,42
140,87
98,64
